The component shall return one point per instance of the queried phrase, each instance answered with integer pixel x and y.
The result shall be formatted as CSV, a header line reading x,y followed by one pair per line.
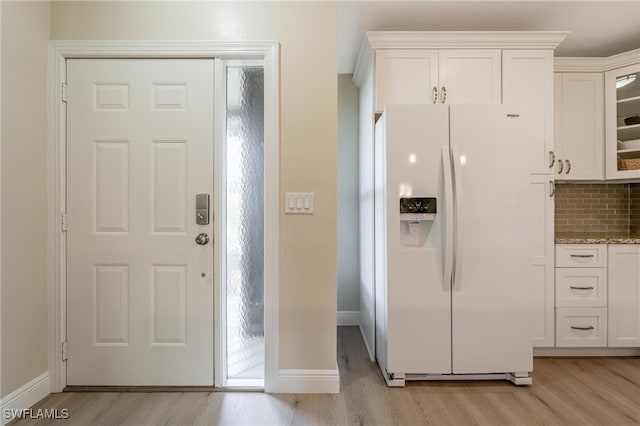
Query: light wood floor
x,y
565,391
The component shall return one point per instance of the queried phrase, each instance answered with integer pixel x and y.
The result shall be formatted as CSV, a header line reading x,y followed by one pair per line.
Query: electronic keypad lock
x,y
202,209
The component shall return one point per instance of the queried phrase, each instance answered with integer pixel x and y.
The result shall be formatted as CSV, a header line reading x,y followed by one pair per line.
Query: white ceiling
x,y
598,28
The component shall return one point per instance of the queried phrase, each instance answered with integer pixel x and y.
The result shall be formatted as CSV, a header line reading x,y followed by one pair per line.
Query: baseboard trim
x,y
25,396
309,381
348,318
581,352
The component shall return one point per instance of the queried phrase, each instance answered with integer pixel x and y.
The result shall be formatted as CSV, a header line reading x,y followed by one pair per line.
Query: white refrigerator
x,y
452,244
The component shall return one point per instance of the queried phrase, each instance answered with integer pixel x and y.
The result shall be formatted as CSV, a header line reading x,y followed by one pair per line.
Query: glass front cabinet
x,y
622,87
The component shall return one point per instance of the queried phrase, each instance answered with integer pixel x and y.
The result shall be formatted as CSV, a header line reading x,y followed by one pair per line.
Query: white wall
x,y
348,196
25,31
307,32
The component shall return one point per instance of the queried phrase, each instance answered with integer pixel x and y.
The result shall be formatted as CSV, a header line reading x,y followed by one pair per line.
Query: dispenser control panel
x,y
418,205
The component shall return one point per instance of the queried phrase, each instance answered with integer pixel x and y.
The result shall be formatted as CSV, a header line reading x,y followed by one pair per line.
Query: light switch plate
x,y
298,202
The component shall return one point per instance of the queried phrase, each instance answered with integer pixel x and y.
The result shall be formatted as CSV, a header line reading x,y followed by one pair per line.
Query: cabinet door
x,y
622,141
469,76
579,117
405,77
527,80
624,295
542,259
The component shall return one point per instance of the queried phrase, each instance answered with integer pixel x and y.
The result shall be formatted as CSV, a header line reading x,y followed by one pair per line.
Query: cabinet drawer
x,y
581,256
581,327
581,287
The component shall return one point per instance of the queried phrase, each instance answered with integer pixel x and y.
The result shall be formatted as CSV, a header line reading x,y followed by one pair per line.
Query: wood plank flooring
x,y
565,391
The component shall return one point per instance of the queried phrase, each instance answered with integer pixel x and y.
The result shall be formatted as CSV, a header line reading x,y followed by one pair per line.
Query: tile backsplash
x,y
634,206
597,208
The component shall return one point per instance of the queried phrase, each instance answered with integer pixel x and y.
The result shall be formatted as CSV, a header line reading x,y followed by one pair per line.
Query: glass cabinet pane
x,y
628,121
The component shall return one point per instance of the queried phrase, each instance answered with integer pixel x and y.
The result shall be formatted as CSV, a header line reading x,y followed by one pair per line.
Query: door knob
x,y
202,239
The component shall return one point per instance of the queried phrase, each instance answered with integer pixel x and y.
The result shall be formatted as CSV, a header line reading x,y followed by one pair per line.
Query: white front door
x,y
139,288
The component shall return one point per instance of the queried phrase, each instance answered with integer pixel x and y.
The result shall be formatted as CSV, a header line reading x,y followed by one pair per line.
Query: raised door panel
x,y
624,295
527,80
542,259
579,126
405,77
469,76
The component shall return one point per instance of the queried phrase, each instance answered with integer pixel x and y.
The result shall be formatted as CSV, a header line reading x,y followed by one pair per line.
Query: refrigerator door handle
x,y
448,219
458,207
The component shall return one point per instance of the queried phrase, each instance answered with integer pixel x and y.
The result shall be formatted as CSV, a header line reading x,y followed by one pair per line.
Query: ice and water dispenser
x,y
416,221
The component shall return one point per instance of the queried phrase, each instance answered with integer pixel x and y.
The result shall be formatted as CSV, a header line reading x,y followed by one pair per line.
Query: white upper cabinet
x,y
527,81
469,76
622,88
406,77
579,124
437,76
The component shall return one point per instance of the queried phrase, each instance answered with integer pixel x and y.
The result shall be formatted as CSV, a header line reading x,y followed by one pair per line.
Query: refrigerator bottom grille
x,y
526,380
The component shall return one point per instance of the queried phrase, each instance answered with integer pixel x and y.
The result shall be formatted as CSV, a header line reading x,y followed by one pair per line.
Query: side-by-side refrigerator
x,y
452,243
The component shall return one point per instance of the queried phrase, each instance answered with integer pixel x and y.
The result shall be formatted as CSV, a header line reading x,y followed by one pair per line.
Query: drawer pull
x,y
582,256
582,328
580,288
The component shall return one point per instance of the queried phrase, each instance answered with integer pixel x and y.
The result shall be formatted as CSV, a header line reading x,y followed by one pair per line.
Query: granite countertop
x,y
596,238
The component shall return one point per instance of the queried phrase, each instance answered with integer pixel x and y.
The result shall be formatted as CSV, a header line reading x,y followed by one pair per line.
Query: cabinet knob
x,y
434,95
561,167
568,167
552,159
443,91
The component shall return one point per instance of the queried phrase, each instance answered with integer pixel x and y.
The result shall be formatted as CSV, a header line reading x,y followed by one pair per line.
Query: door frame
x,y
59,52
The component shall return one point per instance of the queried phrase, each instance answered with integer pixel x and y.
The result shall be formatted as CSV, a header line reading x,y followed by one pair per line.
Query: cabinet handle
x,y
552,159
582,328
434,95
552,189
568,166
580,288
561,166
443,91
584,256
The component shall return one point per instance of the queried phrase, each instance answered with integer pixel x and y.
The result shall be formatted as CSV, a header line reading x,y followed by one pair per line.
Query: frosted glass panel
x,y
245,222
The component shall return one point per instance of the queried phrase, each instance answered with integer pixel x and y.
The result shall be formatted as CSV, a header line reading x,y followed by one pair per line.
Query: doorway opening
x,y
168,96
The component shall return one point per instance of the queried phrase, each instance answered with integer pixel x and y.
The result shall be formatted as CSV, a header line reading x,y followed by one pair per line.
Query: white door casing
x,y
139,289
59,53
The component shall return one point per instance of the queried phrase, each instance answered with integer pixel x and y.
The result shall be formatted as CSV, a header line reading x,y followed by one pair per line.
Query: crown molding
x,y
600,64
465,39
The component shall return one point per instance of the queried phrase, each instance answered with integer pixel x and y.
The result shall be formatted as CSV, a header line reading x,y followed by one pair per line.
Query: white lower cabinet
x,y
597,295
581,327
624,295
582,287
542,259
581,295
